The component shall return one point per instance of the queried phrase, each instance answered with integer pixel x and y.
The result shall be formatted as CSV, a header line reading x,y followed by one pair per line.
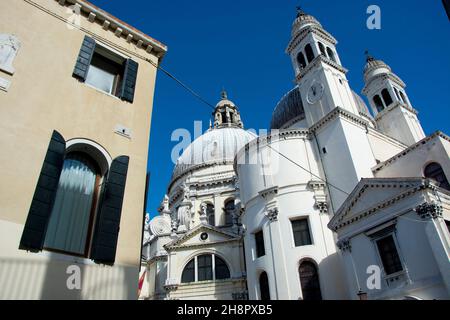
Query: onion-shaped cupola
x,y
226,114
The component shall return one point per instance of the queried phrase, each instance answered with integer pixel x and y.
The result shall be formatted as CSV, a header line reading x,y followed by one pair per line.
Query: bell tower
x,y
318,69
390,104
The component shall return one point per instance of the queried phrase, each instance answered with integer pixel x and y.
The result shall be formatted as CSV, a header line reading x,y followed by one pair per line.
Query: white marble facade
x,y
309,210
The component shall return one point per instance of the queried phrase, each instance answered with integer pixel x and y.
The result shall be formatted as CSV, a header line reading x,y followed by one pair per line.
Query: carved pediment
x,y
372,195
202,235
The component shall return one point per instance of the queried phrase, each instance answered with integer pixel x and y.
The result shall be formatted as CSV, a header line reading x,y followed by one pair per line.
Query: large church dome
x,y
219,145
288,110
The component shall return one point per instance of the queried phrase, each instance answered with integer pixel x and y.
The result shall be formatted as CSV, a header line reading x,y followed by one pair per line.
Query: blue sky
x,y
240,45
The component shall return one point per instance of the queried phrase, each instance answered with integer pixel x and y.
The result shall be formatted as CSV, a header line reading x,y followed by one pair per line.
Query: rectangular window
x,y
447,222
106,70
302,235
260,249
389,255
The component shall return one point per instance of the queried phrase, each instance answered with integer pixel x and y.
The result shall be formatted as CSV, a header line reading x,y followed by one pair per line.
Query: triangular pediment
x,y
193,237
371,195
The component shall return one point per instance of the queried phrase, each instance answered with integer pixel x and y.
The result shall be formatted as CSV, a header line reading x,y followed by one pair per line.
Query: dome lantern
x,y
226,113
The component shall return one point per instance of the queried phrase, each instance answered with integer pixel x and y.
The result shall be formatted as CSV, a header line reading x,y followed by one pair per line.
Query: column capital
x,y
429,210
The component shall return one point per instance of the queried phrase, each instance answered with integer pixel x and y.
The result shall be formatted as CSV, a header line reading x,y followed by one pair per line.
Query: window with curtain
x,y
309,280
302,235
389,255
264,288
72,215
434,171
208,267
309,53
260,248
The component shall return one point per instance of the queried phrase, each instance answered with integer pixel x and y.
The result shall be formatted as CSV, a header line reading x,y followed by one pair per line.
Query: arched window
x,y
209,267
309,53
229,212
309,280
434,171
301,60
397,94
386,97
224,117
221,269
402,95
331,54
189,272
264,289
378,103
210,213
322,49
73,212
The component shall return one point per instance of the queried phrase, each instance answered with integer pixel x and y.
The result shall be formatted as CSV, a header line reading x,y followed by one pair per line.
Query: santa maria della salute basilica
x,y
340,200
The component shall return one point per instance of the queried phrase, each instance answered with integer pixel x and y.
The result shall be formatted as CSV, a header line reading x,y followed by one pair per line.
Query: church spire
x,y
224,94
300,11
369,57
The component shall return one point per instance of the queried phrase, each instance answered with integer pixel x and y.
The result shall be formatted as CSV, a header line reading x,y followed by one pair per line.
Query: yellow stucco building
x,y
76,96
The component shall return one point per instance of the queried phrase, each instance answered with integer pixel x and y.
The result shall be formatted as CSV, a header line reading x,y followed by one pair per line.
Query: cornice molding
x,y
383,76
108,22
394,106
339,112
199,229
320,58
317,30
284,134
410,149
414,185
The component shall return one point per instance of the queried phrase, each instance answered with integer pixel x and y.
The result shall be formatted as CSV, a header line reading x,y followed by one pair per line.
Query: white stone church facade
x,y
311,210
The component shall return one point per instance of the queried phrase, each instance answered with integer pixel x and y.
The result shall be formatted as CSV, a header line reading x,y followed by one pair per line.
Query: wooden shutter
x,y
44,196
107,226
129,81
84,58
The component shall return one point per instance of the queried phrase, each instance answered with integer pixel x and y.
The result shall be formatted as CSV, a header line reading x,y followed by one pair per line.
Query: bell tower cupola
x,y
390,104
319,73
226,114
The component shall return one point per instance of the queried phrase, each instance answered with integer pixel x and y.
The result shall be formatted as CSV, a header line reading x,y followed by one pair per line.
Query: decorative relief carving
x,y
9,46
272,214
429,210
322,206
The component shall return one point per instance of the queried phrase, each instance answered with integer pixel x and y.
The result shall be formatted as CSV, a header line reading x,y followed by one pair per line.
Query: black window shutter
x,y
44,196
129,81
107,226
84,58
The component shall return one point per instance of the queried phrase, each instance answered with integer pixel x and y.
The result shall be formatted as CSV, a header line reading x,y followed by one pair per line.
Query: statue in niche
x,y
186,191
9,46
